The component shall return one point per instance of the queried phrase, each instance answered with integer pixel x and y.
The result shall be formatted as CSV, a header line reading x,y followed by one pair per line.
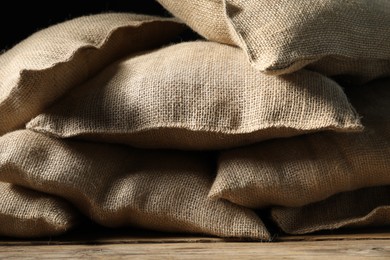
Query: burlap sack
x,y
300,170
206,17
46,65
27,213
283,36
197,95
351,72
117,186
362,208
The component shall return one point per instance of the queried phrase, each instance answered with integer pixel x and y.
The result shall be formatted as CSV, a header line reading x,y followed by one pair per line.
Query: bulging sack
x,y
120,186
300,170
340,37
42,68
368,207
25,213
197,95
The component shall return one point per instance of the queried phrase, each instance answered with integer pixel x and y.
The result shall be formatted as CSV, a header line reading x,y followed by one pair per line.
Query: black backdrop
x,y
19,19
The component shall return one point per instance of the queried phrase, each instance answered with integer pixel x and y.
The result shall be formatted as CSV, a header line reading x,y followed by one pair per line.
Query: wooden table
x,y
126,243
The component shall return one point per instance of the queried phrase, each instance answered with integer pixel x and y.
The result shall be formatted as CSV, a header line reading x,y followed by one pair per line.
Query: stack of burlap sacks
x,y
284,107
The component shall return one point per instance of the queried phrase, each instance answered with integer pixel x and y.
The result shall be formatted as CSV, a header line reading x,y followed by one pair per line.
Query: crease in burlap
x,y
42,68
369,207
26,213
300,170
215,101
284,36
119,186
206,17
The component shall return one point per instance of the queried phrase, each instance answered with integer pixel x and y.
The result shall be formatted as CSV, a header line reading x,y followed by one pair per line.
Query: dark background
x,y
19,19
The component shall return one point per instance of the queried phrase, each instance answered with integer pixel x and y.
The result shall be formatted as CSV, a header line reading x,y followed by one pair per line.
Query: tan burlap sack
x,y
283,36
206,17
351,72
119,186
197,95
27,213
46,65
361,208
300,170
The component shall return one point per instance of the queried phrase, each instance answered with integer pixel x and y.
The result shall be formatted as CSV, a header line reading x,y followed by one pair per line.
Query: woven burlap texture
x,y
206,17
118,186
40,69
284,36
26,213
197,95
300,170
369,207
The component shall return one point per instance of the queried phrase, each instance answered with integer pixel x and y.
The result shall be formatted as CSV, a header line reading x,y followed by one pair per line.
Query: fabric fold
x,y
25,213
281,37
300,170
217,100
42,68
120,186
369,207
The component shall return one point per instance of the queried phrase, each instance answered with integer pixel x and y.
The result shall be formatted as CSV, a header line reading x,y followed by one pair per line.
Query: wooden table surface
x,y
124,244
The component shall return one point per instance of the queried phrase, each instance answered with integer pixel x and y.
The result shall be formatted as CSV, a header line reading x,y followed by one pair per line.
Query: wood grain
x,y
124,243
360,249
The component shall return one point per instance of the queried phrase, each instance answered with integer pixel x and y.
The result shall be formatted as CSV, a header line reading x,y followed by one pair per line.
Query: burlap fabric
x,y
206,17
368,207
284,36
300,170
46,65
26,213
119,186
197,95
